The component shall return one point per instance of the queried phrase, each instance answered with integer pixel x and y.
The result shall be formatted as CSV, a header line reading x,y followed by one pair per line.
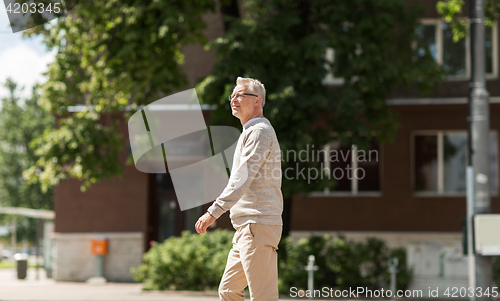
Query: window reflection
x,y
454,157
426,163
453,53
427,34
438,36
488,31
441,159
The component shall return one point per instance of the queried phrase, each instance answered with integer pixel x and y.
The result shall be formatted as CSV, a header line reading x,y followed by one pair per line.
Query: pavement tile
x,y
44,289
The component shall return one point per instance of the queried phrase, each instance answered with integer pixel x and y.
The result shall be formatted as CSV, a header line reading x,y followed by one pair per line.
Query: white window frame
x,y
354,182
439,49
440,164
330,78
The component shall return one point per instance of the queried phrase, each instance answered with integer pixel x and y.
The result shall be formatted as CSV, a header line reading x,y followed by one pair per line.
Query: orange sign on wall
x,y
99,246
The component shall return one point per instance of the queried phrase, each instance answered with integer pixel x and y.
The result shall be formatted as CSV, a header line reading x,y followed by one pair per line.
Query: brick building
x,y
413,194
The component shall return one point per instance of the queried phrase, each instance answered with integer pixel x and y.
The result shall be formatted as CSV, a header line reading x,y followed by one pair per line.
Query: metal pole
x,y
470,215
393,285
479,126
37,248
100,266
310,278
393,269
14,238
310,268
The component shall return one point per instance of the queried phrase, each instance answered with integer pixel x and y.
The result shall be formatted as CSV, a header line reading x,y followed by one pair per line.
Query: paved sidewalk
x,y
31,289
49,290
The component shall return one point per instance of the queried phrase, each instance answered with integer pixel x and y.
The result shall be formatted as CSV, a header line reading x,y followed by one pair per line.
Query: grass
x,y
7,264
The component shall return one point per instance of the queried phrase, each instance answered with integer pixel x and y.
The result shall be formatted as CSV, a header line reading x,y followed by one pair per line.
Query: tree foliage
x,y
20,124
113,56
283,44
452,11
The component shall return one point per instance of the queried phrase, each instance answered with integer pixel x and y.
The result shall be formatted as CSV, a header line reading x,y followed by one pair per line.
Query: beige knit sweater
x,y
253,193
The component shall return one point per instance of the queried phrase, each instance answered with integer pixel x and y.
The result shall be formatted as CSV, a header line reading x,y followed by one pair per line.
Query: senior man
x,y
253,196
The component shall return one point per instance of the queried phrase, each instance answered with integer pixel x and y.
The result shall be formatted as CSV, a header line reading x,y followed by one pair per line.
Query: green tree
x,y
452,11
19,125
117,54
283,43
113,56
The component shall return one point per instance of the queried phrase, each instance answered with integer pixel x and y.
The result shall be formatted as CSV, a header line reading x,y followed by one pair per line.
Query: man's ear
x,y
257,101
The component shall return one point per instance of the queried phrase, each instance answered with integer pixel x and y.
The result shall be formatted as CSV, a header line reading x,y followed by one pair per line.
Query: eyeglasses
x,y
240,96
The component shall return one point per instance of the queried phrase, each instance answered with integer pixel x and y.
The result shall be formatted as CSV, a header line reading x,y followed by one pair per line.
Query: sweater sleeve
x,y
255,149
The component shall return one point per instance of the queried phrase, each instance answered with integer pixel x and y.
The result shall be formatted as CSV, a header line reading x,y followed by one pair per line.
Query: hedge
x,y
196,262
343,263
190,262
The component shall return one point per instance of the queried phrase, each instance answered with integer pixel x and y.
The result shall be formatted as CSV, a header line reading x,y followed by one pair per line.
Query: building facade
x,y
412,193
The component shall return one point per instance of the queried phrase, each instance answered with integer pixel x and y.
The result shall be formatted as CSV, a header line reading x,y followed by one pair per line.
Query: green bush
x,y
496,270
292,259
342,264
196,262
189,262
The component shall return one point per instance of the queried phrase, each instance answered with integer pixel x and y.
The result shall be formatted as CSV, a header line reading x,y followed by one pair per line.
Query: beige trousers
x,y
252,261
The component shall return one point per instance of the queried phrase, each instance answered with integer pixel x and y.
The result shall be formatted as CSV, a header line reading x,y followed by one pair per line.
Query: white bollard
x,y
393,269
310,268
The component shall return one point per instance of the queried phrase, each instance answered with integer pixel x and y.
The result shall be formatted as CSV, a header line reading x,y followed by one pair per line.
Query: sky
x,y
22,59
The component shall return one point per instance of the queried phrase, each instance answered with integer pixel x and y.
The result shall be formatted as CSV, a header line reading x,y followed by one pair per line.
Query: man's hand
x,y
204,222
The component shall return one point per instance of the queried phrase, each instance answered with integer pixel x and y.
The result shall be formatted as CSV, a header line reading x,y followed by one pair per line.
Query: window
x,y
455,57
439,162
356,171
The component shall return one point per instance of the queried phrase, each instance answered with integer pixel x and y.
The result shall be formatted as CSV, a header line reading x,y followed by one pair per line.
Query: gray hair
x,y
255,86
